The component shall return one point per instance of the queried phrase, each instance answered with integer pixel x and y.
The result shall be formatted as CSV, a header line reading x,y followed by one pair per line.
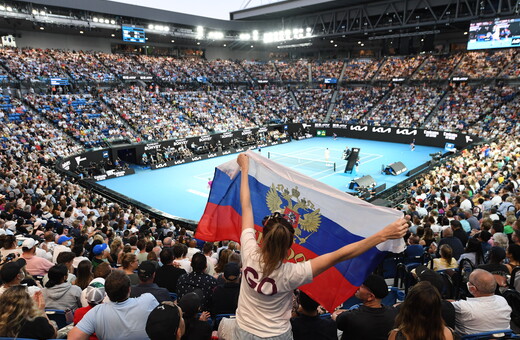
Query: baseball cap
x,y
95,294
190,303
231,271
11,269
145,270
64,239
29,243
377,285
162,322
99,248
426,274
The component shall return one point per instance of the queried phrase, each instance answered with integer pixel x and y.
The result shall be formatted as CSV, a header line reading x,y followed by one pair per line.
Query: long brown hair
x,y
277,238
446,253
16,306
420,315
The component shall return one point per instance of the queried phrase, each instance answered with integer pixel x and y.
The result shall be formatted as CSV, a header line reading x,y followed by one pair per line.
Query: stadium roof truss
x,y
386,16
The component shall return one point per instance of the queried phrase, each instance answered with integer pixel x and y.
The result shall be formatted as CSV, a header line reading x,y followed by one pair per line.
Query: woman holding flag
x,y
265,300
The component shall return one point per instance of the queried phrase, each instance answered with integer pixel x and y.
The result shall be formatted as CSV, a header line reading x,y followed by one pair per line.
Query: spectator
x,y
12,274
36,266
165,320
146,273
371,320
198,279
196,327
94,296
420,315
472,315
60,294
308,324
265,314
225,297
446,261
21,317
121,318
454,243
65,258
168,275
473,252
129,265
85,274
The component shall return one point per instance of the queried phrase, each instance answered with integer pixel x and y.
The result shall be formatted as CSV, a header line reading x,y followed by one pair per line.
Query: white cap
x,y
11,225
29,243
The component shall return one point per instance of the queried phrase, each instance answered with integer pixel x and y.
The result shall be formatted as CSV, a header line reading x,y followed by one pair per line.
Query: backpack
x,y
513,299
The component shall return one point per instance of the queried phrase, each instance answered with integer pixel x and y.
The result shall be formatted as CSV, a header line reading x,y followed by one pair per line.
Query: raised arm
x,y
245,195
394,230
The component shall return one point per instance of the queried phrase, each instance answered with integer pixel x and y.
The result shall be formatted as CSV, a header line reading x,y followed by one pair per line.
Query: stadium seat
x,y
501,334
60,317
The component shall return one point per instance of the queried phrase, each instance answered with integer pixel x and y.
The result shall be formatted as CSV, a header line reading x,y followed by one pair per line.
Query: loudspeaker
x,y
365,181
397,168
379,188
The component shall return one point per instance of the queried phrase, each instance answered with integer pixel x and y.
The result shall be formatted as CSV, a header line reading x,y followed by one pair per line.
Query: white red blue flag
x,y
325,219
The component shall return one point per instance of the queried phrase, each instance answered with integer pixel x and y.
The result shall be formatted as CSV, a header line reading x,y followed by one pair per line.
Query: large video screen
x,y
134,34
498,33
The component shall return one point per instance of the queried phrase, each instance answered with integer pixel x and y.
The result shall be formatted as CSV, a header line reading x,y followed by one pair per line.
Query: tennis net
x,y
301,162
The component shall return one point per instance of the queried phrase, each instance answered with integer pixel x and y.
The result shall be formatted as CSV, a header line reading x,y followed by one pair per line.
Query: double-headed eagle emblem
x,y
300,212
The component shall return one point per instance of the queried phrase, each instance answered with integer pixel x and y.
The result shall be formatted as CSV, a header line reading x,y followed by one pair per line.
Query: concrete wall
x,y
63,41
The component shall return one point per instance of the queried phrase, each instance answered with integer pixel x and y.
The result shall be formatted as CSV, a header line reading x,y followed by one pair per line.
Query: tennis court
x,y
183,190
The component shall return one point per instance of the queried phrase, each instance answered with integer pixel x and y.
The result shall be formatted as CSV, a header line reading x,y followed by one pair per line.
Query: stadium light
x,y
10,9
35,12
245,36
216,35
2,8
95,19
80,32
41,12
166,28
107,21
113,22
200,32
150,26
255,35
112,35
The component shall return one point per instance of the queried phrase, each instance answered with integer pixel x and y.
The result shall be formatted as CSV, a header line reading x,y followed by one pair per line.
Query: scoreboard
x,y
134,34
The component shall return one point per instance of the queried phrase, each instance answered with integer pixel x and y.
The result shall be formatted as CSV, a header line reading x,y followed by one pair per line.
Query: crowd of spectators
x,y
294,71
405,107
360,69
399,67
437,67
120,64
465,105
352,104
83,66
484,64
326,69
513,69
35,65
84,117
259,70
313,104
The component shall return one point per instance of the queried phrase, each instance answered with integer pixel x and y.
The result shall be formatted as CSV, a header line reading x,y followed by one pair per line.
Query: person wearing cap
x,y
308,324
196,327
146,273
63,244
473,314
95,294
371,320
12,274
121,318
36,266
164,321
225,297
100,255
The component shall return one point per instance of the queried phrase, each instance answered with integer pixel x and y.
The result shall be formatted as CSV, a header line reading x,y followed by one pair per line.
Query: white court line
x,y
198,193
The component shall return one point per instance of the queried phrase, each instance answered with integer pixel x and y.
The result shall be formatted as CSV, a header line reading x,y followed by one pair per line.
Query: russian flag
x,y
325,219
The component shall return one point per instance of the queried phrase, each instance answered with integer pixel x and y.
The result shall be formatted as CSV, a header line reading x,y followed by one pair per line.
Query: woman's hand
x,y
395,230
204,316
243,162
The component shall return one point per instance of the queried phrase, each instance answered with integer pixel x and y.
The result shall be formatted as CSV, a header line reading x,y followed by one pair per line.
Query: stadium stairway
x,y
376,74
342,73
331,106
433,112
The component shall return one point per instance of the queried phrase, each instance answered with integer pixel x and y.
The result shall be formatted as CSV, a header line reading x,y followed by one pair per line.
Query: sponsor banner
x,y
137,77
152,146
114,173
398,135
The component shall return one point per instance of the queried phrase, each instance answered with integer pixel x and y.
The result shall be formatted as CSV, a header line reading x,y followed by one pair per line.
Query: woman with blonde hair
x,y
20,317
446,261
420,316
266,296
129,264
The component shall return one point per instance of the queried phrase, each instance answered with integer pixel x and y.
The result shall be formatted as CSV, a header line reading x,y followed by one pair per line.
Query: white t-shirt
x,y
473,315
264,304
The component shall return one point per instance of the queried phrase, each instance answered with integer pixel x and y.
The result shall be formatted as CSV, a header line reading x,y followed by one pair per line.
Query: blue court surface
x,y
183,190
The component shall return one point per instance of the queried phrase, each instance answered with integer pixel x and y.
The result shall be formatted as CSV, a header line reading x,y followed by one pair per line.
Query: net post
x,y
269,154
334,166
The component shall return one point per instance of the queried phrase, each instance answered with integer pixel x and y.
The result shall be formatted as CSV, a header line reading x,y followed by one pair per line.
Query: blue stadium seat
x,y
59,316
